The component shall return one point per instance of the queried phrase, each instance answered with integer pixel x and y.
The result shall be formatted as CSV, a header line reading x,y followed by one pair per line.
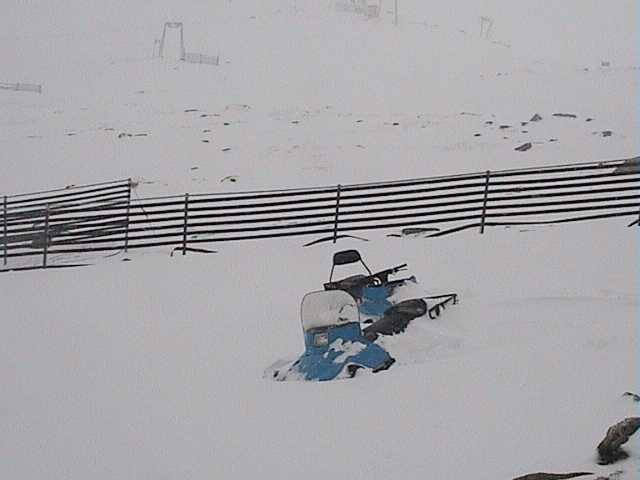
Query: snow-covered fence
x,y
22,87
33,223
103,218
200,58
363,7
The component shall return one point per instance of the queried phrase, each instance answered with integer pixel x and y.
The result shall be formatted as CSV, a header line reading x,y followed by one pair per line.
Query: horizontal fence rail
x,y
104,217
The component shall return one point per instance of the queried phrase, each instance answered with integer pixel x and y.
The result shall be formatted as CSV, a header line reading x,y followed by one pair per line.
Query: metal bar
x,y
335,223
4,229
185,224
127,214
102,186
484,202
46,239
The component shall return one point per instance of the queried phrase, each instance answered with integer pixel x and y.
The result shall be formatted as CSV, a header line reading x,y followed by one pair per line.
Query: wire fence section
x,y
100,218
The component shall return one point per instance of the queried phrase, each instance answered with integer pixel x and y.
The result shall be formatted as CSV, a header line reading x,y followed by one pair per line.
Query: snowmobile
x,y
335,346
374,294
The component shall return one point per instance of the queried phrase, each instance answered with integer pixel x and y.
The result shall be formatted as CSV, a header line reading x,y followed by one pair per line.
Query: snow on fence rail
x,y
99,218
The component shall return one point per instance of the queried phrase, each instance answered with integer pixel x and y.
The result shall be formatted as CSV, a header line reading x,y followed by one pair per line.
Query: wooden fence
x,y
104,217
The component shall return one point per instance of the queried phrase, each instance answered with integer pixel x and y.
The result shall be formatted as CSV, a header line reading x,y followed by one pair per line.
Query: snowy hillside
x,y
153,368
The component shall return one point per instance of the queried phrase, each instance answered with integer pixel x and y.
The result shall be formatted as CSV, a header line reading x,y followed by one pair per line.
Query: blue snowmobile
x,y
335,346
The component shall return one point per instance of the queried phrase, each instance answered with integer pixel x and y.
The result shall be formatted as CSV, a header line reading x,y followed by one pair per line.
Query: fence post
x,y
4,230
128,211
45,250
335,222
186,222
484,201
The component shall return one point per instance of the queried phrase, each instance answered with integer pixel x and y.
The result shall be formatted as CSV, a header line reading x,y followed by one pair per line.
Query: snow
x,y
152,368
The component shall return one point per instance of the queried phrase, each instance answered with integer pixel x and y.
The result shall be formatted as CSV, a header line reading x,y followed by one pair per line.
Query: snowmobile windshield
x,y
327,309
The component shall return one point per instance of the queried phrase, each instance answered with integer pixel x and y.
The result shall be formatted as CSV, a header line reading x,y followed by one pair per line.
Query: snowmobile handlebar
x,y
383,275
354,284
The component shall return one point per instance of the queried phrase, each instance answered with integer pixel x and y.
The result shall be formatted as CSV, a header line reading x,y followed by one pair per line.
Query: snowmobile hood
x,y
329,350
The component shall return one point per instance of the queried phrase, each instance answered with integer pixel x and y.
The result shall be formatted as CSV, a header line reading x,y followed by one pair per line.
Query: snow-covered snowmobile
x,y
335,346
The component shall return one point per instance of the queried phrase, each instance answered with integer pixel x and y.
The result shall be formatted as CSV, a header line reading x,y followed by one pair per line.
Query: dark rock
x,y
522,124
552,476
536,118
417,230
524,147
395,124
553,139
525,131
488,122
226,124
503,127
565,115
634,396
589,120
631,165
204,141
477,134
189,110
226,149
607,133
609,449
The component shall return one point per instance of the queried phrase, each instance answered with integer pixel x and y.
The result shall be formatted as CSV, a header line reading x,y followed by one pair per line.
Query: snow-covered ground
x,y
152,368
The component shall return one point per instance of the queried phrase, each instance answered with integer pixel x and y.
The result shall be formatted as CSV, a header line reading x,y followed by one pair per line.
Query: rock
x,y
477,134
607,133
631,165
503,127
565,115
536,118
488,122
417,230
524,147
226,149
609,449
553,139
635,397
552,476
